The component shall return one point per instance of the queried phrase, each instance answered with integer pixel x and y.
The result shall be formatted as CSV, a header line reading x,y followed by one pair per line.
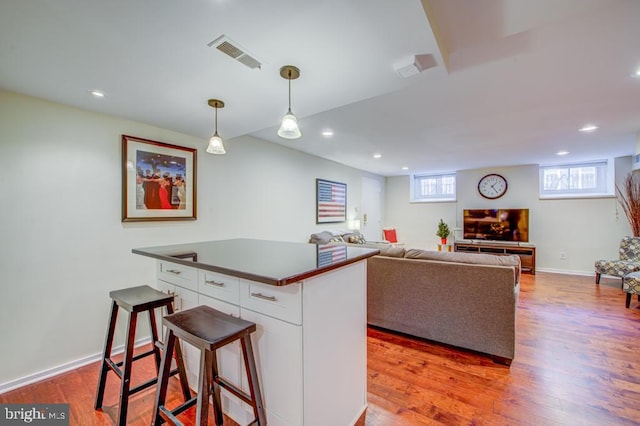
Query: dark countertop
x,y
269,262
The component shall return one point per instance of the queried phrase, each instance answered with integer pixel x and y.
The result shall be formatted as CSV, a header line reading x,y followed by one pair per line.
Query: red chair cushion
x,y
390,235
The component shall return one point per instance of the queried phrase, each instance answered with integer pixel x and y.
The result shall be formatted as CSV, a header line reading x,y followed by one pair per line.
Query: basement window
x,y
582,180
433,188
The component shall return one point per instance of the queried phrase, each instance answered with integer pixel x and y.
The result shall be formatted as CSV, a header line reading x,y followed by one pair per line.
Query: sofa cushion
x,y
321,237
391,251
474,258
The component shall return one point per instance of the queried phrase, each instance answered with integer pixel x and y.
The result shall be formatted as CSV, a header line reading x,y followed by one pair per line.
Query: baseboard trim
x,y
54,371
566,272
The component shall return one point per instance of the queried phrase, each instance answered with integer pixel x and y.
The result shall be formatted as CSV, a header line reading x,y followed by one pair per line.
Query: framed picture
x,y
158,181
331,201
329,254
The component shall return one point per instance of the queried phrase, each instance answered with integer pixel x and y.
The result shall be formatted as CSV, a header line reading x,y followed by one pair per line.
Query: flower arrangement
x,y
629,199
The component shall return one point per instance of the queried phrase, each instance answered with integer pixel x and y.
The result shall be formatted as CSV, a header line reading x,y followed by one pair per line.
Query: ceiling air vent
x,y
235,51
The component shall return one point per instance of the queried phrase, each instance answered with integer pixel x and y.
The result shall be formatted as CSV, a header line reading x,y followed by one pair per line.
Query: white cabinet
x,y
277,347
309,344
335,346
184,299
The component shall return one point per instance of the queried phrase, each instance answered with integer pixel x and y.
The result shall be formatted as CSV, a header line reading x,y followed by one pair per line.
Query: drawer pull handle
x,y
177,303
213,282
174,271
262,296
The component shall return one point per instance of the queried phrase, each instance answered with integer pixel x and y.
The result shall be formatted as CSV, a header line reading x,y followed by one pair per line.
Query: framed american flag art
x,y
328,254
331,201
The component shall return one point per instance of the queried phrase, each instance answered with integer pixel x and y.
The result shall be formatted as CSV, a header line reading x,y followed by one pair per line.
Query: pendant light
x,y
215,143
289,127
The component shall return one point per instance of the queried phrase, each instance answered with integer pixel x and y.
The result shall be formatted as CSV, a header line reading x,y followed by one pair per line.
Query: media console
x,y
526,251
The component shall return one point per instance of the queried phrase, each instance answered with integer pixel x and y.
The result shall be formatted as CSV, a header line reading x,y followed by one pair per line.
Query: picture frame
x,y
330,254
331,201
158,181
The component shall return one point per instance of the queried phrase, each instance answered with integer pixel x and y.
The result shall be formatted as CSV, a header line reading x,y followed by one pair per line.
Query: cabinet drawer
x,y
224,307
282,302
223,287
179,275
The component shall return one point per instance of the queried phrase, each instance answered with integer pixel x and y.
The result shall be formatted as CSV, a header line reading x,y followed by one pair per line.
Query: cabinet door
x,y
277,347
184,299
187,299
168,288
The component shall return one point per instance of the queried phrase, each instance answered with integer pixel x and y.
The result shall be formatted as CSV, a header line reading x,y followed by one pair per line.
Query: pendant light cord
x,y
289,90
216,119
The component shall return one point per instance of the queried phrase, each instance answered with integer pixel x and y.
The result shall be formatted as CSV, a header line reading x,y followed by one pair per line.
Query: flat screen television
x,y
496,224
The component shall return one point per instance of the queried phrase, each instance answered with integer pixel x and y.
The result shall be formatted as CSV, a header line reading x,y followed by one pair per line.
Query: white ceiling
x,y
514,79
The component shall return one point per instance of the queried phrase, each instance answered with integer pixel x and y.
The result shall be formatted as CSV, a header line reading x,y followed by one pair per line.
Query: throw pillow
x,y
357,239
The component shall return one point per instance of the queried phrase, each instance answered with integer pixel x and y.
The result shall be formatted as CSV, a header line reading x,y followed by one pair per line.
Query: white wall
x,y
585,229
63,245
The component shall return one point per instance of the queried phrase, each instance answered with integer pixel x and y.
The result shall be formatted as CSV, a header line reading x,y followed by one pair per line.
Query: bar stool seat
x,y
135,300
208,329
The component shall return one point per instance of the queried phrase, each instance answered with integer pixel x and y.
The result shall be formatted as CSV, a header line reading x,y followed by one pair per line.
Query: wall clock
x,y
492,186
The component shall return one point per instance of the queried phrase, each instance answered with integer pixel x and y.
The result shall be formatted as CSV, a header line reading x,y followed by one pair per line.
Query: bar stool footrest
x,y
114,367
179,409
168,416
150,382
224,384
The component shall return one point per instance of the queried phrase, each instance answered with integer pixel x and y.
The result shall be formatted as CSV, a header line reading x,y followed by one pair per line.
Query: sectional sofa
x,y
460,299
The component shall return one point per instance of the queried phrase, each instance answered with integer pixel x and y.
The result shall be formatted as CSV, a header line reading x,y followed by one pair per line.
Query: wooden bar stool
x,y
135,300
208,329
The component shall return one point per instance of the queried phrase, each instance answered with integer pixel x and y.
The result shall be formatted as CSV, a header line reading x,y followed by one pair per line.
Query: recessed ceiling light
x,y
377,155
97,93
405,168
327,133
588,128
637,73
562,152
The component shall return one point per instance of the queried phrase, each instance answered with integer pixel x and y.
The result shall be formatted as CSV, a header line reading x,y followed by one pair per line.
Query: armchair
x,y
390,235
629,260
631,286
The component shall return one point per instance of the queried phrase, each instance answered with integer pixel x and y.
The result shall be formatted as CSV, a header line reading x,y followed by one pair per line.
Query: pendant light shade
x,y
289,128
215,143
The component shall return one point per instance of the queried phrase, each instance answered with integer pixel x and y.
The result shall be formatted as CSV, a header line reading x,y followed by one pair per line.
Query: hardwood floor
x,y
577,363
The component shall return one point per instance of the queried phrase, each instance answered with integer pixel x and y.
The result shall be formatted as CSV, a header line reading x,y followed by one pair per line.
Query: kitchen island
x,y
309,304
